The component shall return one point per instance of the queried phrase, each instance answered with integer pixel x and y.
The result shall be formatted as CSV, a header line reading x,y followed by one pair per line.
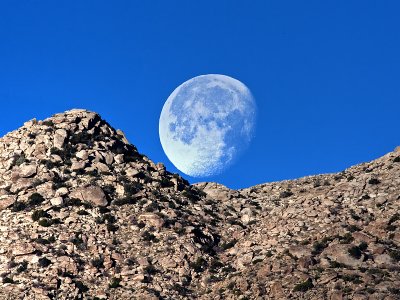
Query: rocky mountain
x,y
84,215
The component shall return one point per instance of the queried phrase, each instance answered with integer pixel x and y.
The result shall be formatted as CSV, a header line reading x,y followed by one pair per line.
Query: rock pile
x,y
84,215
334,236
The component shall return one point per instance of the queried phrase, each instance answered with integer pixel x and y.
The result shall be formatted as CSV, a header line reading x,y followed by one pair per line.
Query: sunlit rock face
x,y
84,215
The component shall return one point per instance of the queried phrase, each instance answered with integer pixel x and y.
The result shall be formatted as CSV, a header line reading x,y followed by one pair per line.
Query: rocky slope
x,y
83,215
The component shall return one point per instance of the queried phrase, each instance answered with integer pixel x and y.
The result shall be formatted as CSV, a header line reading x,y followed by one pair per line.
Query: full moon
x,y
206,123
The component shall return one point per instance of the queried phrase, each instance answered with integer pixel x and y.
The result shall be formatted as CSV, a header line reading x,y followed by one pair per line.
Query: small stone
x,y
336,295
21,184
26,171
242,284
175,182
167,263
160,167
244,260
57,201
276,289
246,219
131,172
83,155
22,249
152,219
101,167
383,260
78,165
340,254
30,123
62,191
6,201
143,261
122,135
108,158
119,159
138,278
59,138
300,251
326,278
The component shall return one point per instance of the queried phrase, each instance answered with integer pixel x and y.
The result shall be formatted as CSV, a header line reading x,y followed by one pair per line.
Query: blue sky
x,y
325,74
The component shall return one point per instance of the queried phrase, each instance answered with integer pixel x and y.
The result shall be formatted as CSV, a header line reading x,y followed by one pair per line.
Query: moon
x,y
206,123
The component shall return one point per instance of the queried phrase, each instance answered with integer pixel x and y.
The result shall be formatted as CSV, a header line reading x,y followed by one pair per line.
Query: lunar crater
x,y
206,123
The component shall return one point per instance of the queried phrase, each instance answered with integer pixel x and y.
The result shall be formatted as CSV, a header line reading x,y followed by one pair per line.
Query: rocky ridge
x,y
84,215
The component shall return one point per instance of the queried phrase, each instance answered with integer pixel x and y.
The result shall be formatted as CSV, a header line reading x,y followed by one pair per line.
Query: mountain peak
x,y
84,215
74,180
79,149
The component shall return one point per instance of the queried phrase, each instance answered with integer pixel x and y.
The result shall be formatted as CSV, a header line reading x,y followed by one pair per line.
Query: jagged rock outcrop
x,y
84,215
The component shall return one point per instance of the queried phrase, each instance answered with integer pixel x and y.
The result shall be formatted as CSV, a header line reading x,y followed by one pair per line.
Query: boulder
x,y
26,171
59,138
152,219
83,154
6,201
78,165
340,254
244,260
56,201
383,260
21,184
22,249
300,251
215,190
92,194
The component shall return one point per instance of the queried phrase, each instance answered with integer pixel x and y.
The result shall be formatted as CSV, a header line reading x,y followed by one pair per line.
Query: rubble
x,y
84,215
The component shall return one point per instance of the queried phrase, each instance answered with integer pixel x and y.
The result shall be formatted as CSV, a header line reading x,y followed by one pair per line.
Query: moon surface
x,y
206,123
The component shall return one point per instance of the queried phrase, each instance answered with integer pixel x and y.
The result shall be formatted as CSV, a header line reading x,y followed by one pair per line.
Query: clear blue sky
x,y
325,74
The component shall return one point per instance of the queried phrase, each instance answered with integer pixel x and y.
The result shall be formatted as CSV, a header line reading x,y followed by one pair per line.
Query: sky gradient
x,y
325,74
